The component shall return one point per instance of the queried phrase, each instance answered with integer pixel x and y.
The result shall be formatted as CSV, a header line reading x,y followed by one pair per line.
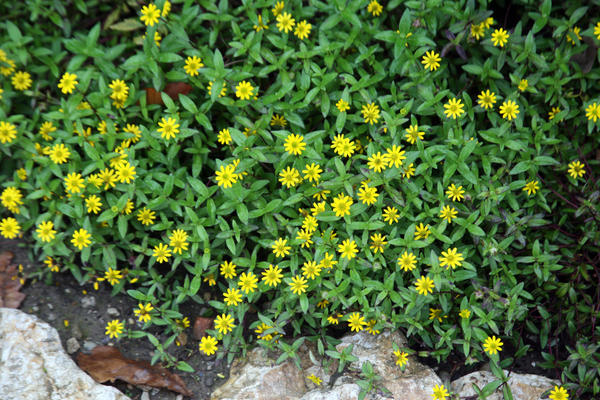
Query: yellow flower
x,y
342,105
451,258
224,323
311,269
285,22
374,8
278,8
302,30
377,162
341,205
290,177
298,285
74,182
305,236
260,25
178,241
390,215
244,90
356,322
576,169
408,261
343,146
394,156
67,83
280,248
401,358
168,128
312,172
487,99
439,392
367,195
597,30
327,261
150,14
223,89
509,110
114,328
455,193
348,249
294,144
272,276
278,120
11,199
208,345
9,228
192,65
228,270
370,113
46,129
464,313
412,134
7,132
120,90
125,172
333,320
323,303
448,213
422,232
500,37
492,345
592,112
377,243
248,282
145,216
408,171
226,176
45,231
232,297
81,239
21,80
93,204
166,8
316,380
477,31
573,32
424,285
560,393
224,137
556,110
523,84
531,187
161,252
431,60
435,313
454,108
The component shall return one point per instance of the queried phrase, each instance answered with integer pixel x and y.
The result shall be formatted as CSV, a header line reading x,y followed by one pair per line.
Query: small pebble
x,y
50,306
88,345
68,291
35,309
145,396
154,391
76,332
112,312
179,397
72,345
130,321
50,317
88,301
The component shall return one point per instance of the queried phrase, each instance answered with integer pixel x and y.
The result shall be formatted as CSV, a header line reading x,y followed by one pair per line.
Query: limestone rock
x,y
523,386
34,366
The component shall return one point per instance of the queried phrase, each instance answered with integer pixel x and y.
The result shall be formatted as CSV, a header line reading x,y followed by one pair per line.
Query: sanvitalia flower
x,y
592,112
576,169
208,345
272,275
523,84
302,30
146,216
401,358
9,228
407,261
280,248
224,323
439,392
278,8
374,8
168,128
356,322
341,205
278,120
424,285
451,258
143,312
464,313
315,379
390,215
45,231
232,297
248,282
555,110
377,162
309,223
226,176
162,253
46,129
394,156
81,239
298,285
21,80
244,90
223,89
93,204
477,31
290,177
448,213
166,8
509,110
370,113
120,90
285,22
228,269
492,345
348,249
108,178
422,231
150,14
343,146
560,393
435,313
327,261
531,187
408,171
367,195
192,65
11,199
455,193
311,269
412,134
305,236
74,182
114,328
224,136
377,243
342,105
312,172
431,60
454,108
294,144
113,276
178,241
487,99
261,25
67,83
7,132
125,172
499,37
573,33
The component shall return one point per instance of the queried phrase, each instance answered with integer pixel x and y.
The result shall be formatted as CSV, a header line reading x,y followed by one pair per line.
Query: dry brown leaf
x,y
172,89
201,325
106,363
9,282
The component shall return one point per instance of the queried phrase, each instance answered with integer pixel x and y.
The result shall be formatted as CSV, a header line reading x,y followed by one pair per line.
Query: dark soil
x,y
64,299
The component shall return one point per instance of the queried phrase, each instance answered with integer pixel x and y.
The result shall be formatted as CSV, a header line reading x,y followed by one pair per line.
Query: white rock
x,y
88,301
112,312
34,366
145,396
72,345
523,386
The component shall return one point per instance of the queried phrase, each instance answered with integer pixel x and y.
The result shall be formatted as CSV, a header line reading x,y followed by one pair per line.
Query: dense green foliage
x,y
222,176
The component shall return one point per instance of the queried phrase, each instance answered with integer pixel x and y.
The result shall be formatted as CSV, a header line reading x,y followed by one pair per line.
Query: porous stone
x,y
112,312
522,386
88,301
34,366
72,345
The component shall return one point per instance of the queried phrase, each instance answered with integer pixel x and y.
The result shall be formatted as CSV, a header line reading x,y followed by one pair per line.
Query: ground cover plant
x,y
311,169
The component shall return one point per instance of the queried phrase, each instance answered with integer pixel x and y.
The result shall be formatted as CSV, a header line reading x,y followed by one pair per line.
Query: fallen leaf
x,y
106,363
201,325
10,296
172,89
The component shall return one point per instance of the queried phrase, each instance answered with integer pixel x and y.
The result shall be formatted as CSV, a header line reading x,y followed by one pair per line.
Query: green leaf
x,y
129,24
